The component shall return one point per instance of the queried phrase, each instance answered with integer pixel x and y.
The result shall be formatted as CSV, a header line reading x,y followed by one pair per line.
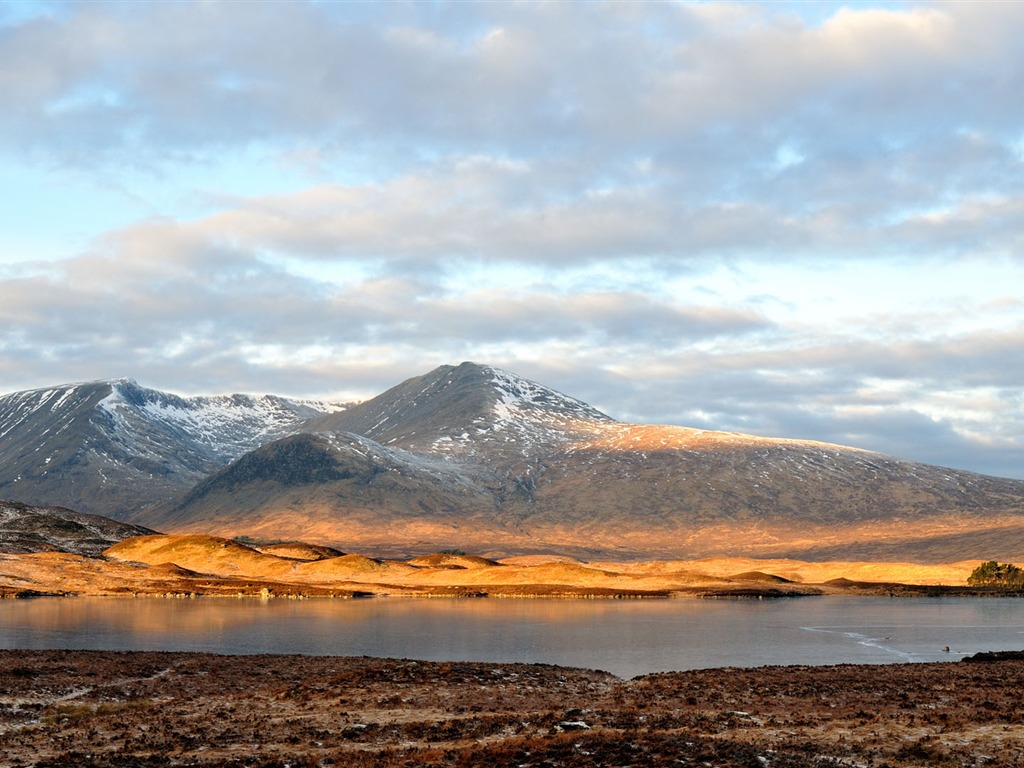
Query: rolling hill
x,y
24,528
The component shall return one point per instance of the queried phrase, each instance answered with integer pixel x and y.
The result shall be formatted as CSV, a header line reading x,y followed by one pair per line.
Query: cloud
x,y
526,80
160,294
547,133
486,210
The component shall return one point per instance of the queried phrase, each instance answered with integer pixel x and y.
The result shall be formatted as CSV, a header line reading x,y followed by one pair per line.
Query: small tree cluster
x,y
993,574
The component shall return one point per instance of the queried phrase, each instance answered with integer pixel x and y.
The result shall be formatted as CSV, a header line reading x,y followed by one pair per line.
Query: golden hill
x,y
198,564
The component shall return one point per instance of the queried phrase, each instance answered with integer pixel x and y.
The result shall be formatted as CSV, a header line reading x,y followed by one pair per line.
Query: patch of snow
x,y
524,416
68,393
224,426
397,459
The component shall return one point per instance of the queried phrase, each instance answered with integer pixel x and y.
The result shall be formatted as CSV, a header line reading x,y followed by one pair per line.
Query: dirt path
x,y
40,700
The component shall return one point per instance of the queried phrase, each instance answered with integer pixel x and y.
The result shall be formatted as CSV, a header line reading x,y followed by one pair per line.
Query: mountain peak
x,y
454,406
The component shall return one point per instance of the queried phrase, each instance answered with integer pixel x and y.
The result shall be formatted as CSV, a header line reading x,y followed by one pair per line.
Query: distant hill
x,y
24,528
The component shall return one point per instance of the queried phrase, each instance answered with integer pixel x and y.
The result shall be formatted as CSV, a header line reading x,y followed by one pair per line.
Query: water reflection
x,y
625,637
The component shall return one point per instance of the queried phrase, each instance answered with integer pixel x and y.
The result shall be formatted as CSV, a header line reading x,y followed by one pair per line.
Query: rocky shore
x,y
127,710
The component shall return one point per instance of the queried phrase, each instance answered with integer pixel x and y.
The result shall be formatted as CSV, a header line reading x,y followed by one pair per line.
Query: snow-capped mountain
x,y
462,410
114,447
476,458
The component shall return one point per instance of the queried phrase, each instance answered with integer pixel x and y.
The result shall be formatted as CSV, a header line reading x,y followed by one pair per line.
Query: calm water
x,y
627,638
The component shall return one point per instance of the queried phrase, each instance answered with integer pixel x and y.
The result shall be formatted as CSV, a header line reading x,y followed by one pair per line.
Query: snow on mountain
x,y
224,427
523,415
520,399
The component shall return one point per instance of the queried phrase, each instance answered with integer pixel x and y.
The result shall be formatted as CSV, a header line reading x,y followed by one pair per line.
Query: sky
x,y
800,220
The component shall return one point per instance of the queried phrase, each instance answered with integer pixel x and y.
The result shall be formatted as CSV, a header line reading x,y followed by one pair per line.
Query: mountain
x,y
115,448
474,458
54,529
438,458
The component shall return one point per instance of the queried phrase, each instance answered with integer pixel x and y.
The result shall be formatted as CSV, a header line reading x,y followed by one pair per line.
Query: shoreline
x,y
7,654
521,592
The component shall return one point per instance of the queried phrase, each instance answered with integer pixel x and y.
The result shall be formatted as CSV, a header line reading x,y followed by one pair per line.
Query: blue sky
x,y
790,219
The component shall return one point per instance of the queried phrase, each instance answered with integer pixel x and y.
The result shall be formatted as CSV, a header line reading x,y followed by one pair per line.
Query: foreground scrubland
x,y
106,710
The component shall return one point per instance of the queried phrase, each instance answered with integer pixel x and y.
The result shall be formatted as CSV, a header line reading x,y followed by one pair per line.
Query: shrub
x,y
993,574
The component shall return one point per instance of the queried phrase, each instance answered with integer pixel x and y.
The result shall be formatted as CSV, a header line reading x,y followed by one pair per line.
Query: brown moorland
x,y
135,710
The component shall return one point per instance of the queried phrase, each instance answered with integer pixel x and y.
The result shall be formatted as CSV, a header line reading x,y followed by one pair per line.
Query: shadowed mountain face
x,y
55,529
474,458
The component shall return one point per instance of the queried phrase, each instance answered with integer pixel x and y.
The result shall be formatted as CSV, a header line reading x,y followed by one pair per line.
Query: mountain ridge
x,y
114,447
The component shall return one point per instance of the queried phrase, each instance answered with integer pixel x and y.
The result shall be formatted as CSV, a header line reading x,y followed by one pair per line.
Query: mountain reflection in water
x,y
627,638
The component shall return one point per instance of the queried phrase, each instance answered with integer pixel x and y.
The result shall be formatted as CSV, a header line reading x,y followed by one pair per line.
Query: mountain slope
x,y
697,493
115,447
325,487
478,459
470,457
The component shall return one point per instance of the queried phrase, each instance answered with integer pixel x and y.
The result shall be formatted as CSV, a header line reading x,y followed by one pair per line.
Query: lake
x,y
625,637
